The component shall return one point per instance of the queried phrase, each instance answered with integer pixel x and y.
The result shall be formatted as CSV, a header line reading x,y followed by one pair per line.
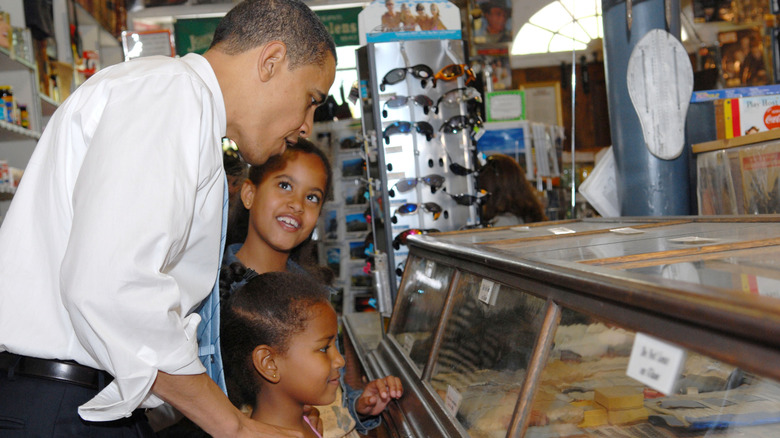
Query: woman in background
x,y
512,200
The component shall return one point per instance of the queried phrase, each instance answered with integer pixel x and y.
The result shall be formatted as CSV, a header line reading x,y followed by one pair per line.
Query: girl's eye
x,y
325,349
284,185
314,198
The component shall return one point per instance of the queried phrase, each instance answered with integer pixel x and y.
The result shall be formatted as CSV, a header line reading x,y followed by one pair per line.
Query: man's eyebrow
x,y
322,98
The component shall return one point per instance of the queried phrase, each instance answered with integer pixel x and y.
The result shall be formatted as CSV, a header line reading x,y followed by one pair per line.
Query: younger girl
x,y
279,344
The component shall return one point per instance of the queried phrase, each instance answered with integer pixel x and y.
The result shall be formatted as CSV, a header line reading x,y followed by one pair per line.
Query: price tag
x,y
655,363
561,230
452,402
488,292
626,230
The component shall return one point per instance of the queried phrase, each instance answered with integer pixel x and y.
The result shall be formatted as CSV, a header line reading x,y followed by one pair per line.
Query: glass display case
x,y
627,327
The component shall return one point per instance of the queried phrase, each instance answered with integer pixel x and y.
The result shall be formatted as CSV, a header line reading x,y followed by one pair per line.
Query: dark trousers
x,y
37,407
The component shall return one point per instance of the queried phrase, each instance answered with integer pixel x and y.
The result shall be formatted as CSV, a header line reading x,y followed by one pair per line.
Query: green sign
x,y
342,24
194,35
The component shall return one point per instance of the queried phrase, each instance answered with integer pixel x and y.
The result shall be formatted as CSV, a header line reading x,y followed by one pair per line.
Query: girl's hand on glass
x,y
377,394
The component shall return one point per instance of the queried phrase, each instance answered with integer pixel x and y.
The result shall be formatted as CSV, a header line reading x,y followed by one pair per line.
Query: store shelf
x,y
9,132
9,62
48,106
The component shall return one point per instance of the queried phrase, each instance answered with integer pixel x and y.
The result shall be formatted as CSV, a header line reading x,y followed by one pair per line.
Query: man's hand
x,y
377,394
201,400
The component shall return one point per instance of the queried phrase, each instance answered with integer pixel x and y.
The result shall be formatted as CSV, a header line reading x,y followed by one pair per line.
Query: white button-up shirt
x,y
112,238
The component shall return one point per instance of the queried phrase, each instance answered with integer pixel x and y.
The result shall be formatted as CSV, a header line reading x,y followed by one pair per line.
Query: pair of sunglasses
x,y
404,185
396,75
411,208
400,239
398,101
469,199
453,72
458,169
424,128
458,123
456,96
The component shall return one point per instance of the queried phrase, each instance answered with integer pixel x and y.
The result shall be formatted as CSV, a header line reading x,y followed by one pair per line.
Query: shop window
x,y
560,26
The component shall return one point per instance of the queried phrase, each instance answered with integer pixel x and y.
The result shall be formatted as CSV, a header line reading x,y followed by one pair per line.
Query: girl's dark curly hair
x,y
268,310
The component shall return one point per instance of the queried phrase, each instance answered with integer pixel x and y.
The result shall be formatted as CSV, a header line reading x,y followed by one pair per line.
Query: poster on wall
x,y
194,35
400,20
497,59
495,24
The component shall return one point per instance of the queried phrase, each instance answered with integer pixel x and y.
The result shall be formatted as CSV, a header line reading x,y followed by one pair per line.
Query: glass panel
x,y
531,39
487,344
420,303
757,273
584,391
649,240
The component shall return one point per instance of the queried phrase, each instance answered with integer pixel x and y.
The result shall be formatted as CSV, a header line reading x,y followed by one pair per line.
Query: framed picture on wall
x,y
543,102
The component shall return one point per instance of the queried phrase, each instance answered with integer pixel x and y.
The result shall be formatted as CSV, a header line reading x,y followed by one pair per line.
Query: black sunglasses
x,y
424,128
411,208
456,96
396,75
407,184
400,239
399,101
469,199
457,169
458,123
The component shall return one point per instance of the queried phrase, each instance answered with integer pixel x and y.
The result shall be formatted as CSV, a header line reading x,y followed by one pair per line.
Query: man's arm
x,y
201,400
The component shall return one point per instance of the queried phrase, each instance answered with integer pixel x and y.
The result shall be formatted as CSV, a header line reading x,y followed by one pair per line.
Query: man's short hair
x,y
490,4
253,23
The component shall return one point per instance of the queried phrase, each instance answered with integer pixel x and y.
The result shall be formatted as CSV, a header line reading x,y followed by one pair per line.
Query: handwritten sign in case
x,y
655,363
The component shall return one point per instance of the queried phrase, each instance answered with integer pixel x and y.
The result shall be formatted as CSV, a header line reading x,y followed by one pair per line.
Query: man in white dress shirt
x,y
112,239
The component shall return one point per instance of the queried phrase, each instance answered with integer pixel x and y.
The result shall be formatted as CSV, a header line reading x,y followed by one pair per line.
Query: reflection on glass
x,y
487,344
420,303
584,391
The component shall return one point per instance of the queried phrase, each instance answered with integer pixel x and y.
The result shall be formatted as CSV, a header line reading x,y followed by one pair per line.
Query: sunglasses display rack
x,y
415,113
344,225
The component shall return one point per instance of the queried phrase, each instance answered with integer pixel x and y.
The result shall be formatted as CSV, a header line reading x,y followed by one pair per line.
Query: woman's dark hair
x,y
238,222
253,23
268,310
510,191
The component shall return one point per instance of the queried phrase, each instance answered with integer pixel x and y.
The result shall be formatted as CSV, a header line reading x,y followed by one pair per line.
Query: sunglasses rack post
x,y
415,107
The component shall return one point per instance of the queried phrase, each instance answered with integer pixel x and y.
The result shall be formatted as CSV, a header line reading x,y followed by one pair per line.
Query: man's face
x,y
496,19
266,123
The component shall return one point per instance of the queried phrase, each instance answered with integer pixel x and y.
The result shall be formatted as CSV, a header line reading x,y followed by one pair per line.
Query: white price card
x,y
655,363
488,291
626,230
561,230
453,400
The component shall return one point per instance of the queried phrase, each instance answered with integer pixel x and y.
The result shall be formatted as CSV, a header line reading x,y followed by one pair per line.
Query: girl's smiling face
x,y
285,206
309,368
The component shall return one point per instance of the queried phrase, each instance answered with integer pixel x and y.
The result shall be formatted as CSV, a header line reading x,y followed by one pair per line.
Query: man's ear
x,y
272,58
264,360
248,193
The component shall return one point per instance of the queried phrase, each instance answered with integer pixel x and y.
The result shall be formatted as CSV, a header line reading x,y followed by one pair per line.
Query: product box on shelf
x,y
740,175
